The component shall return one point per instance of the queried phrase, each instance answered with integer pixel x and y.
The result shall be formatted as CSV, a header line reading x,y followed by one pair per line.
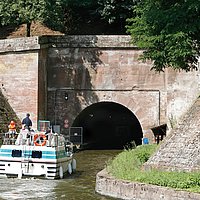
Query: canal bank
x,y
122,189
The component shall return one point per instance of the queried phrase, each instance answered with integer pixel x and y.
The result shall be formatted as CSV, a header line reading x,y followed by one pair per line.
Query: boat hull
x,y
34,161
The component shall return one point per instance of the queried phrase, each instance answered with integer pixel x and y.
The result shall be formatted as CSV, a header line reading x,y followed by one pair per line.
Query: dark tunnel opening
x,y
108,125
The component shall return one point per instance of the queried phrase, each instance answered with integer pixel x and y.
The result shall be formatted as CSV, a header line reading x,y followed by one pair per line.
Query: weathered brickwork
x,y
90,69
19,81
23,76
42,85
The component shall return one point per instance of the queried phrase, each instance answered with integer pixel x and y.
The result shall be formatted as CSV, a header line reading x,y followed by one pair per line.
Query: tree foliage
x,y
168,31
80,16
115,10
69,16
99,17
27,11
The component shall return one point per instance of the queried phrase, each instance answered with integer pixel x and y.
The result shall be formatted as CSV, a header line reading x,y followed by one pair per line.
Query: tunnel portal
x,y
108,125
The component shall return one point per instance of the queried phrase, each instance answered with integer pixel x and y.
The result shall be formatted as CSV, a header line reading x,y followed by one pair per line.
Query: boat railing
x,y
35,138
9,138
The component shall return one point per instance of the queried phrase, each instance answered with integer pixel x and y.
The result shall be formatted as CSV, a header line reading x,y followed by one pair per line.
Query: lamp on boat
x,y
66,96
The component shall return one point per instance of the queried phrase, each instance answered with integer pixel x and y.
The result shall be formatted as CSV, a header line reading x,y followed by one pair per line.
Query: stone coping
x,y
19,44
91,41
121,189
65,41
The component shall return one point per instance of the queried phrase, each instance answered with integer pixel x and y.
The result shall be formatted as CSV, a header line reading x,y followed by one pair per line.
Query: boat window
x,y
36,154
16,153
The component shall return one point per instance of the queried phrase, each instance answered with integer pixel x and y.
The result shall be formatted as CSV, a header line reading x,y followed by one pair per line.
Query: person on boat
x,y
12,132
12,127
47,132
26,122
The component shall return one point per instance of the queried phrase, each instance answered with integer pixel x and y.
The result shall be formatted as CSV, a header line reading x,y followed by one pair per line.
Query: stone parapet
x,y
121,189
89,41
71,41
19,44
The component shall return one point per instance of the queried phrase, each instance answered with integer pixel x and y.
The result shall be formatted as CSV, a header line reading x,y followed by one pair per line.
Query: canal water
x,y
79,186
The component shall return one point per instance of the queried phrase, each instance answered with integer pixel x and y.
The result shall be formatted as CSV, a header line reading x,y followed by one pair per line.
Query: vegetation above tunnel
x,y
167,30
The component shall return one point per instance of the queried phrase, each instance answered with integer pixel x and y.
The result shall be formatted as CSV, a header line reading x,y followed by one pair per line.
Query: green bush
x,y
128,166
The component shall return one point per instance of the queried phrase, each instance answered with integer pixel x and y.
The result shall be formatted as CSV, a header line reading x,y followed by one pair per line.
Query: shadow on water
x,y
79,186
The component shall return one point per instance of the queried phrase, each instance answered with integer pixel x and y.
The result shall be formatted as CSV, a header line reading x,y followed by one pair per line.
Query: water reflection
x,y
79,186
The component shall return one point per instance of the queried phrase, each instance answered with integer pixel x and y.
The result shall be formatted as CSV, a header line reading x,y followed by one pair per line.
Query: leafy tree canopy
x,y
168,31
115,10
26,11
107,16
110,10
69,16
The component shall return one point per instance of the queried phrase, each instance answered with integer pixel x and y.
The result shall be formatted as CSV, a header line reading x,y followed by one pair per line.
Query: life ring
x,y
37,139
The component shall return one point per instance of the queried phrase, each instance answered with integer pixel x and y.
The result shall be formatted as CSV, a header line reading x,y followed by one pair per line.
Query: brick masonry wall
x,y
115,75
19,75
42,84
106,68
182,92
90,69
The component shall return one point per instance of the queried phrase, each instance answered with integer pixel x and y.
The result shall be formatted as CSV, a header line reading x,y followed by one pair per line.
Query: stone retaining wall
x,y
121,189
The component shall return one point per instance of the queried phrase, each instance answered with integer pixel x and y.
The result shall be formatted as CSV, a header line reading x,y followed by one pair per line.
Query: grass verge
x,y
128,166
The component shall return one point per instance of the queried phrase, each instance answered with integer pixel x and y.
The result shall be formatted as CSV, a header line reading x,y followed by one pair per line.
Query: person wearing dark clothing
x,y
26,122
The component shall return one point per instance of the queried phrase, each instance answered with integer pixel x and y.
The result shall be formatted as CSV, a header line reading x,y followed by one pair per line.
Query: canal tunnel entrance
x,y
108,125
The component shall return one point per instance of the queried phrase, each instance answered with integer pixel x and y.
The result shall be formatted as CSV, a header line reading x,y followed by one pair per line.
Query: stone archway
x,y
108,125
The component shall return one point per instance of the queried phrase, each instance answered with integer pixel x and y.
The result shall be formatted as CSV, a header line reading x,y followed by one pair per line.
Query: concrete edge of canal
x,y
121,189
